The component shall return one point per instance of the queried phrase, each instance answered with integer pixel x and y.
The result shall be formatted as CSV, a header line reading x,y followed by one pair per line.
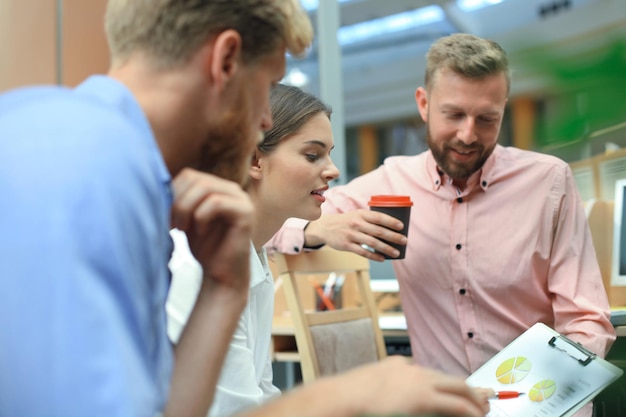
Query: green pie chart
x,y
542,390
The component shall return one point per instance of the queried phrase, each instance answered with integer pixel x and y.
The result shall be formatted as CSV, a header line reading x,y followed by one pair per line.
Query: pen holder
x,y
328,296
322,304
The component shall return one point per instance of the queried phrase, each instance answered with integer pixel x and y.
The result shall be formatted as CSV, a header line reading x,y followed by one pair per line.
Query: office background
x,y
568,57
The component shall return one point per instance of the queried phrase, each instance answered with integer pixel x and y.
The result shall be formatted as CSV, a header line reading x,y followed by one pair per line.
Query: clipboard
x,y
556,375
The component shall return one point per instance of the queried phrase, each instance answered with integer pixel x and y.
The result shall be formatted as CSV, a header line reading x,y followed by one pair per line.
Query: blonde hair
x,y
466,55
171,31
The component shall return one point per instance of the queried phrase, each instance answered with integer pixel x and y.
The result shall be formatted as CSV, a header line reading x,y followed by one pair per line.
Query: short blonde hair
x,y
467,55
171,31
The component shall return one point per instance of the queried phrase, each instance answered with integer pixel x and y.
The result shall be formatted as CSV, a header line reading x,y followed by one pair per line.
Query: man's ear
x,y
421,99
256,170
225,57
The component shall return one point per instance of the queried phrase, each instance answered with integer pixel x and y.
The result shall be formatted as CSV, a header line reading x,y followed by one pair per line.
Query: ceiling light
x,y
296,77
389,24
469,5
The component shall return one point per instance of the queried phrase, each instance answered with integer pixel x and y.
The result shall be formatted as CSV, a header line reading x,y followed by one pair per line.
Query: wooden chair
x,y
334,340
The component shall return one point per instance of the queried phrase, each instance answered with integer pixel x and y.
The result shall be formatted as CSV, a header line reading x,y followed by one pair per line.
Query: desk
x,y
284,347
612,401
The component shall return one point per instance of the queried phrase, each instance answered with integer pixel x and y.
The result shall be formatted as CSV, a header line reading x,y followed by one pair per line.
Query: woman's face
x,y
295,175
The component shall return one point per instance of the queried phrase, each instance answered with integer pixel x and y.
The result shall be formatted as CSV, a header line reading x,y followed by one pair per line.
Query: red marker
x,y
505,395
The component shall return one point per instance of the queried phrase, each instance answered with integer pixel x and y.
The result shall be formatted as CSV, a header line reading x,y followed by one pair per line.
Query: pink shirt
x,y
484,264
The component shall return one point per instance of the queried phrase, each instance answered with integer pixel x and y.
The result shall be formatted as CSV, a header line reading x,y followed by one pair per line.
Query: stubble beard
x,y
455,170
230,145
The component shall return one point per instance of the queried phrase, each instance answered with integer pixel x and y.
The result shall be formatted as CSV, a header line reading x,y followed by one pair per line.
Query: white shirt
x,y
246,378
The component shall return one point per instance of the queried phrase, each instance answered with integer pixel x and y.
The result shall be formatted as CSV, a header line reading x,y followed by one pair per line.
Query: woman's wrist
x,y
311,241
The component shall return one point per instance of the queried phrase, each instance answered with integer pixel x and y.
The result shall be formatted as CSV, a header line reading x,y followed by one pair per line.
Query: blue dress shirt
x,y
84,245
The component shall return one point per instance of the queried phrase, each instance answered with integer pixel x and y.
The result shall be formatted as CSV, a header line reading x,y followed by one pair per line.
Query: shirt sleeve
x,y
289,239
238,389
339,199
185,287
580,304
267,382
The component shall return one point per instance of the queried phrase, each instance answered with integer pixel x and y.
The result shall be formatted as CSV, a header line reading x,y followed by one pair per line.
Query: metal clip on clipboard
x,y
574,350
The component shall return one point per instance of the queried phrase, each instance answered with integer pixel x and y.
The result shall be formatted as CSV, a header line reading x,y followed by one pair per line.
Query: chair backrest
x,y
342,336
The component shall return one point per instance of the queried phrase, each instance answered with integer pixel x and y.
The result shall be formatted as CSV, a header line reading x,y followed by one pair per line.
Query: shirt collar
x,y
483,177
260,267
434,172
488,171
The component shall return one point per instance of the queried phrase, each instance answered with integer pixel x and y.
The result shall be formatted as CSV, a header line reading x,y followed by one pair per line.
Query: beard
x,y
455,169
230,144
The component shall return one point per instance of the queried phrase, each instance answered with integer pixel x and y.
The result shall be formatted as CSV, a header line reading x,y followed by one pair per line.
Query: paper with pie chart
x,y
557,376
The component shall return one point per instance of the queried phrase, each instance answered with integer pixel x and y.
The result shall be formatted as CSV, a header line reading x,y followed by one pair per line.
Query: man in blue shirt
x,y
88,201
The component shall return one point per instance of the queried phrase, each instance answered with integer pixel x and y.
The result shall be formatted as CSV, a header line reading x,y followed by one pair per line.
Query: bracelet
x,y
304,245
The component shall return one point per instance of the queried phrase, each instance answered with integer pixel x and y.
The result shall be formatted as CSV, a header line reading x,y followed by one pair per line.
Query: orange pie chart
x,y
513,370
